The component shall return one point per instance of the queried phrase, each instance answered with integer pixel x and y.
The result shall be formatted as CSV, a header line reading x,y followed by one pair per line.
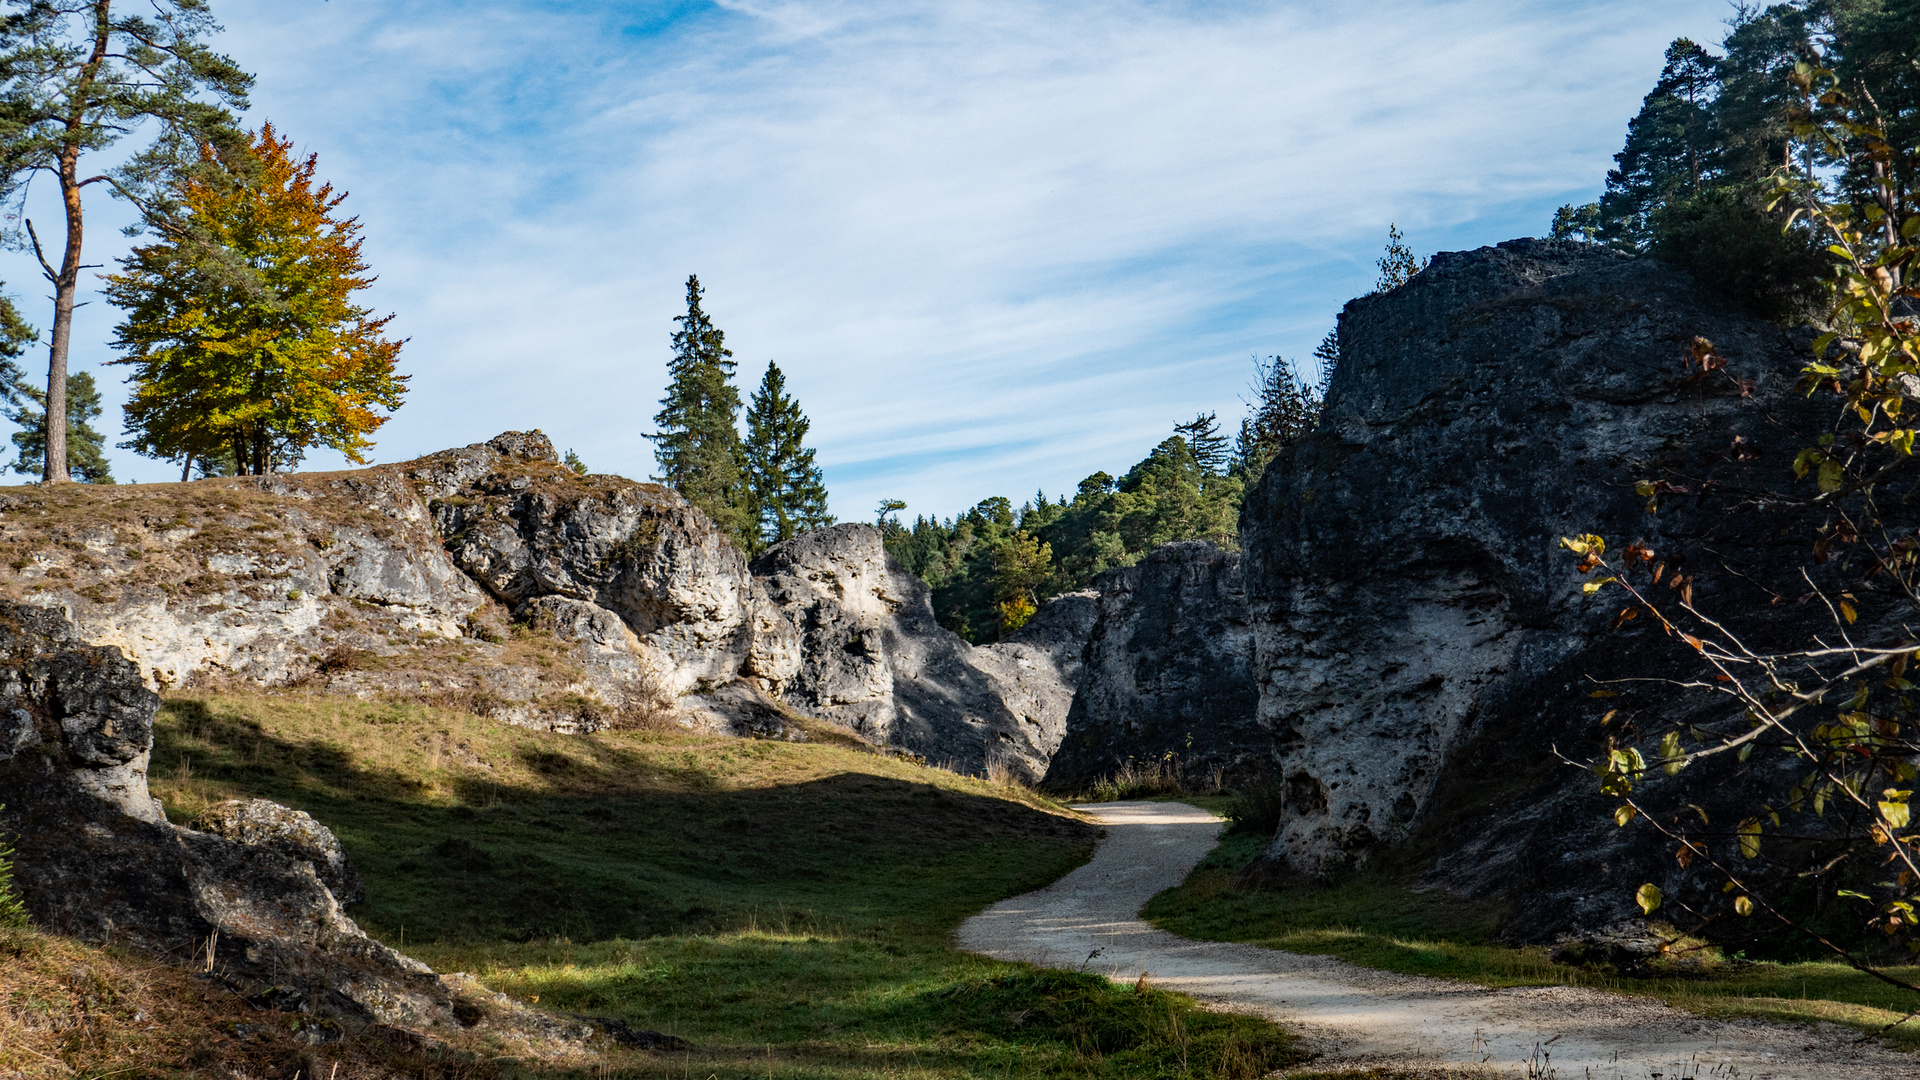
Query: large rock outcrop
x,y
871,657
1167,673
1422,643
495,579
95,858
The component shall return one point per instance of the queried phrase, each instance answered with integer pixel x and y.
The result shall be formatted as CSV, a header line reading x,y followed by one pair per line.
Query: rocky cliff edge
x,y
1422,642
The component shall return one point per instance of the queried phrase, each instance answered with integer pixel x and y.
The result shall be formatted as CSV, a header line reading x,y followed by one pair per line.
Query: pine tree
x,y
240,324
86,447
787,490
1285,407
75,77
1668,152
1328,355
1208,445
698,443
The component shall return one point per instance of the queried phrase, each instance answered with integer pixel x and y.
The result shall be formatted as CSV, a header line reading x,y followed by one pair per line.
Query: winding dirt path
x,y
1356,1017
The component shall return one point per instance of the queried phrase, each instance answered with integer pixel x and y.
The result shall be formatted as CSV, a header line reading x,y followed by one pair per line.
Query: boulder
x,y
293,833
1168,673
1422,644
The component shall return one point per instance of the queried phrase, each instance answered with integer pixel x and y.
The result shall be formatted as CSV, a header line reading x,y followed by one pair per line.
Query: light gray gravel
x,y
1358,1017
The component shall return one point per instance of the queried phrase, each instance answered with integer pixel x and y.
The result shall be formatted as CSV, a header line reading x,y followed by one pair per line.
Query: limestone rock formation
x,y
631,570
494,579
95,858
293,833
1423,645
1168,672
872,658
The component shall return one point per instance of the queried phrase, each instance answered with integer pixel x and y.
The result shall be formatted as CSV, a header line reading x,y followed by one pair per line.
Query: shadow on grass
x,y
601,840
792,901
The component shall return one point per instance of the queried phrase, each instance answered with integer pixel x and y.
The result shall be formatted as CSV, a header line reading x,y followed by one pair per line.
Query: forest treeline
x,y
1693,183
992,566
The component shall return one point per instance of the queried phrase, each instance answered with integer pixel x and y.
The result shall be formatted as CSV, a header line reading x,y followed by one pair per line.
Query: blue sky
x,y
994,246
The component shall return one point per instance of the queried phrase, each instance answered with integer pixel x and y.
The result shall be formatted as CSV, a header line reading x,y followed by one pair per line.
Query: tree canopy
x,y
241,327
1689,183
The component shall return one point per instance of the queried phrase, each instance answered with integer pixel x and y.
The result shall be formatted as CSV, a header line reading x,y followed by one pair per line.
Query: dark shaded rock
x,y
293,833
95,859
71,718
1167,670
1422,642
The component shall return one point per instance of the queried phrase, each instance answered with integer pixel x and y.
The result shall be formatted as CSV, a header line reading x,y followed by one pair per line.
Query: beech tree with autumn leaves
x,y
241,329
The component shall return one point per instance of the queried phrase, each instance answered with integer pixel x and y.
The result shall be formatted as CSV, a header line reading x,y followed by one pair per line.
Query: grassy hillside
x,y
1379,921
786,907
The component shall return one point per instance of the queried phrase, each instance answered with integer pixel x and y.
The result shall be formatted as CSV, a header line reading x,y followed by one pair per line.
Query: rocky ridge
x,y
494,579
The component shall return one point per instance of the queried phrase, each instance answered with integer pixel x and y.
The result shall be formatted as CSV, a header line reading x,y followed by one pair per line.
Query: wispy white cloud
x,y
994,245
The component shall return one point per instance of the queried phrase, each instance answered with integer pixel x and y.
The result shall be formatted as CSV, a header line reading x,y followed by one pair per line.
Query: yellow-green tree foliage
x,y
240,323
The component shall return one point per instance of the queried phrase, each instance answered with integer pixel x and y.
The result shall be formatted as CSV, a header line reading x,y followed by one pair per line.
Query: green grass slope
x,y
788,908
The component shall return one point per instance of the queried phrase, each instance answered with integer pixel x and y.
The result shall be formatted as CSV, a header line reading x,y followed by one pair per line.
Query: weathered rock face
x,y
658,596
1168,670
871,657
1422,644
493,578
95,858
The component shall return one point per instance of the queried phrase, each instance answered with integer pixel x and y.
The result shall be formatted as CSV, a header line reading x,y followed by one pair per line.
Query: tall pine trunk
x,y
66,282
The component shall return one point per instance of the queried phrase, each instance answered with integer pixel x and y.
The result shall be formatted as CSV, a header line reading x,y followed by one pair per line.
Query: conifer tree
x,y
1328,355
76,76
86,447
1668,152
1285,407
1208,445
788,491
698,441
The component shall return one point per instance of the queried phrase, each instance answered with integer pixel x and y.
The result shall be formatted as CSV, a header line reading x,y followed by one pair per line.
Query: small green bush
x,y
1731,244
13,910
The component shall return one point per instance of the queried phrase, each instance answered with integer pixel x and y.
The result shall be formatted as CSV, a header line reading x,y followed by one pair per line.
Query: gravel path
x,y
1356,1017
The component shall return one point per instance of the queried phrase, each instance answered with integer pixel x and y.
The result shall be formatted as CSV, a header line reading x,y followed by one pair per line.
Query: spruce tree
x,y
787,490
1328,355
698,444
